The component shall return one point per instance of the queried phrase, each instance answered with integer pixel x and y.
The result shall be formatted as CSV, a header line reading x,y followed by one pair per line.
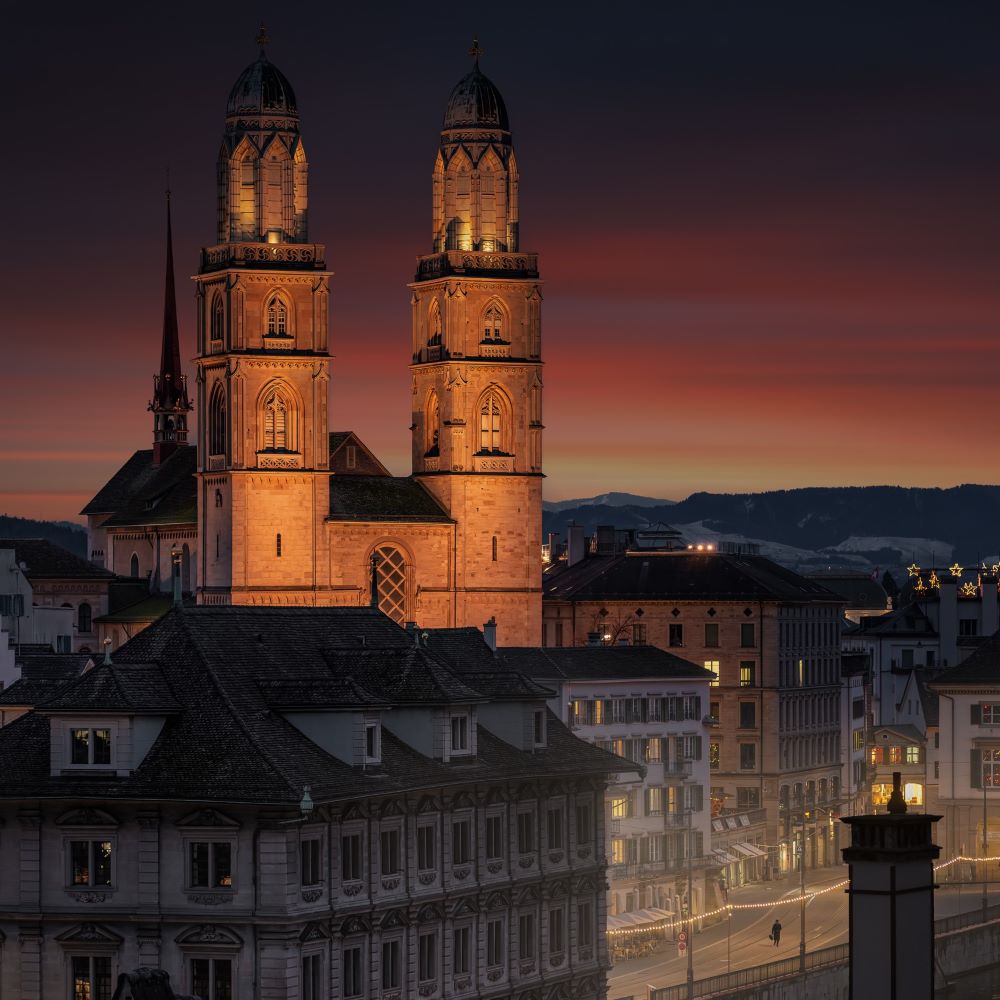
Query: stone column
x,y
892,903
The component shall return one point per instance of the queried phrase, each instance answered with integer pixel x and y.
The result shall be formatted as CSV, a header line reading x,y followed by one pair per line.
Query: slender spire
x,y
262,39
476,52
170,358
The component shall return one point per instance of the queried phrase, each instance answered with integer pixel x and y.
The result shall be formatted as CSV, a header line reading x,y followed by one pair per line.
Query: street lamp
x,y
802,892
985,864
690,940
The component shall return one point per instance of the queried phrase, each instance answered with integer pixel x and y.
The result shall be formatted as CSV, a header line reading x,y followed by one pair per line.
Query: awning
x,y
638,918
750,850
725,857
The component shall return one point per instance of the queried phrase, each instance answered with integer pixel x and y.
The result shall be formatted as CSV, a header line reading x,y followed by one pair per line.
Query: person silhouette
x,y
776,932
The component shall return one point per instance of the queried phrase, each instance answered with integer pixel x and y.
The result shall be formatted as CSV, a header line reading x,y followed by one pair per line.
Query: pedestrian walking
x,y
776,933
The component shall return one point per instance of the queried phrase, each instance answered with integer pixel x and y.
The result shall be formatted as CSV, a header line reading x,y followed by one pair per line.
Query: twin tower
x,y
286,513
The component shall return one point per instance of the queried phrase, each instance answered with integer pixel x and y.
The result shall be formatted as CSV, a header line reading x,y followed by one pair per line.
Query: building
x,y
300,802
266,505
773,639
650,707
965,753
49,596
856,739
863,595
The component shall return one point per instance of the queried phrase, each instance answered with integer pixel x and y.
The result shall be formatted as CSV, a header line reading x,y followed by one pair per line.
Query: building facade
x,y
300,803
256,508
770,636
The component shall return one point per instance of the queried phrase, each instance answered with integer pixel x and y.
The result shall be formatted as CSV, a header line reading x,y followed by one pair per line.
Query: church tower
x,y
170,404
263,364
477,368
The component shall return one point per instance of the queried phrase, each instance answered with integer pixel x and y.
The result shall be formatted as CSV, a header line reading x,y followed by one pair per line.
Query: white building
x,y
25,621
651,707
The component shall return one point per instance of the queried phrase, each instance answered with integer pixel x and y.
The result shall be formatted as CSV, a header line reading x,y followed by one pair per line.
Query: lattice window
x,y
277,318
492,324
490,423
275,423
391,576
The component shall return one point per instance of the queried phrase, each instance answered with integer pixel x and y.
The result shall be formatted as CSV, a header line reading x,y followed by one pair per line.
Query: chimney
x,y
490,633
107,651
574,544
891,861
593,638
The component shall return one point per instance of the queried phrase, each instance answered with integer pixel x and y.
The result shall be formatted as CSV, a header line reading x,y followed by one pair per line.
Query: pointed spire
x,y
262,39
476,52
170,357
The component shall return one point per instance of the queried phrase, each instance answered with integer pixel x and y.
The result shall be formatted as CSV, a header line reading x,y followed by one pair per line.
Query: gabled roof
x,y
225,742
382,498
859,591
165,494
902,729
929,702
685,576
365,462
43,560
601,663
909,620
981,667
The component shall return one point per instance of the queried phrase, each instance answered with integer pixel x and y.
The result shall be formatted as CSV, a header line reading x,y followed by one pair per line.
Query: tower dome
x,y
475,102
262,89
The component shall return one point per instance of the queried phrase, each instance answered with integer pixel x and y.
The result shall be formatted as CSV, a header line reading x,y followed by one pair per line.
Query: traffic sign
x,y
682,937
681,947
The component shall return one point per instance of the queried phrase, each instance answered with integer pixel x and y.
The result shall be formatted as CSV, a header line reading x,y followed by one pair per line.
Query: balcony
x,y
478,262
284,256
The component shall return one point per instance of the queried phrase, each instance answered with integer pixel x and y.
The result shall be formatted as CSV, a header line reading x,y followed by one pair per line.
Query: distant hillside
x,y
64,533
851,525
607,500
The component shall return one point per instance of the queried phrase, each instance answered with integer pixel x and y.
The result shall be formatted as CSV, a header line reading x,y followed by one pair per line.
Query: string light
x,y
685,923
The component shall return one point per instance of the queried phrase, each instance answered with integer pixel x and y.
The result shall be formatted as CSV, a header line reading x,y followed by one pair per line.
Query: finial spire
x,y
262,38
897,804
476,51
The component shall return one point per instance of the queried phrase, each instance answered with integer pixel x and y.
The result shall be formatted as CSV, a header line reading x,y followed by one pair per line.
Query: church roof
x,y
382,498
143,493
44,560
214,669
262,89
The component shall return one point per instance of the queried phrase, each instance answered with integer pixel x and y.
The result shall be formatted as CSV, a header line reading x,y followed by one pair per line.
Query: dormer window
x,y
539,727
90,747
459,734
373,743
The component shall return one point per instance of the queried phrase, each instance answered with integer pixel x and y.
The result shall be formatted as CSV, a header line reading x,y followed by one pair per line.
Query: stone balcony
x,y
479,263
283,256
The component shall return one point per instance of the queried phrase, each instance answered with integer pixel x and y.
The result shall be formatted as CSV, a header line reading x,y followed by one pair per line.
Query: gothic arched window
x,y
390,576
434,325
275,422
218,318
491,423
433,425
134,566
83,622
277,318
493,324
217,421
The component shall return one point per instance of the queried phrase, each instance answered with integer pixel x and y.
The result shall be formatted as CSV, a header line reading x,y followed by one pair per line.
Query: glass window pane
x,y
102,746
81,977
223,874
79,851
80,746
102,862
223,969
200,981
199,865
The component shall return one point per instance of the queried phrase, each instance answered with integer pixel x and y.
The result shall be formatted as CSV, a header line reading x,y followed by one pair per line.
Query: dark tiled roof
x,y
907,620
30,692
318,692
859,591
382,498
684,576
52,666
167,494
226,744
601,662
147,610
114,687
45,561
981,667
123,485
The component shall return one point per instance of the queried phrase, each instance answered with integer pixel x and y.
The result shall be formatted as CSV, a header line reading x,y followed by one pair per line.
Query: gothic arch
x,y
217,419
133,566
279,417
277,315
494,417
217,318
393,572
458,202
432,424
495,322
434,325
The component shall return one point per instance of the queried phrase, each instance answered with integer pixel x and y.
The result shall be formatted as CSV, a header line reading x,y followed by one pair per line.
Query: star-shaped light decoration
x,y
955,570
996,568
913,570
934,581
968,590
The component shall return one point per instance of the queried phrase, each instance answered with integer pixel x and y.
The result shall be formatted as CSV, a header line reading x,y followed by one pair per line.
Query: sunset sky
x,y
769,232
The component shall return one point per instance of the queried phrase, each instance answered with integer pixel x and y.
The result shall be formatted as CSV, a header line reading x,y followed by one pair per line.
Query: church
x,y
263,504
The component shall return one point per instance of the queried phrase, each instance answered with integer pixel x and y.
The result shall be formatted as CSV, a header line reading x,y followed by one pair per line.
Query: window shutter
x,y
697,706
976,766
977,714
697,798
697,748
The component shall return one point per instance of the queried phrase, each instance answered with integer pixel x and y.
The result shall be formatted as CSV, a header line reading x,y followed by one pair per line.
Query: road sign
x,y
682,937
681,948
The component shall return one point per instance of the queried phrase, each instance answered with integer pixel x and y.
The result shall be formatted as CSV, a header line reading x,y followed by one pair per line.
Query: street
x,y
742,941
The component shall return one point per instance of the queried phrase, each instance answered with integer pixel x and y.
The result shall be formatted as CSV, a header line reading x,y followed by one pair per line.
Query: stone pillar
x,y
892,903
30,940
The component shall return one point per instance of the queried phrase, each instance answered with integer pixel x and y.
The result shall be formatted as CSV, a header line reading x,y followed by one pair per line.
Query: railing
x,y
968,919
786,968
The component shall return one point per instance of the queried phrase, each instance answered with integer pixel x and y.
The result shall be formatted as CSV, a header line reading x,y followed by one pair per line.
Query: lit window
x,y
913,755
714,755
895,755
617,851
90,862
620,807
990,713
91,977
748,673
210,865
277,318
913,793
490,411
90,746
991,767
134,566
713,665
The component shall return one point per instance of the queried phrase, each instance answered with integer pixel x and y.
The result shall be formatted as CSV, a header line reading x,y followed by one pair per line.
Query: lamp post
x,y
802,895
985,864
690,940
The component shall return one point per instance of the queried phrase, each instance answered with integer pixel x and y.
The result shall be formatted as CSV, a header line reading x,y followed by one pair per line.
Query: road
x,y
745,943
